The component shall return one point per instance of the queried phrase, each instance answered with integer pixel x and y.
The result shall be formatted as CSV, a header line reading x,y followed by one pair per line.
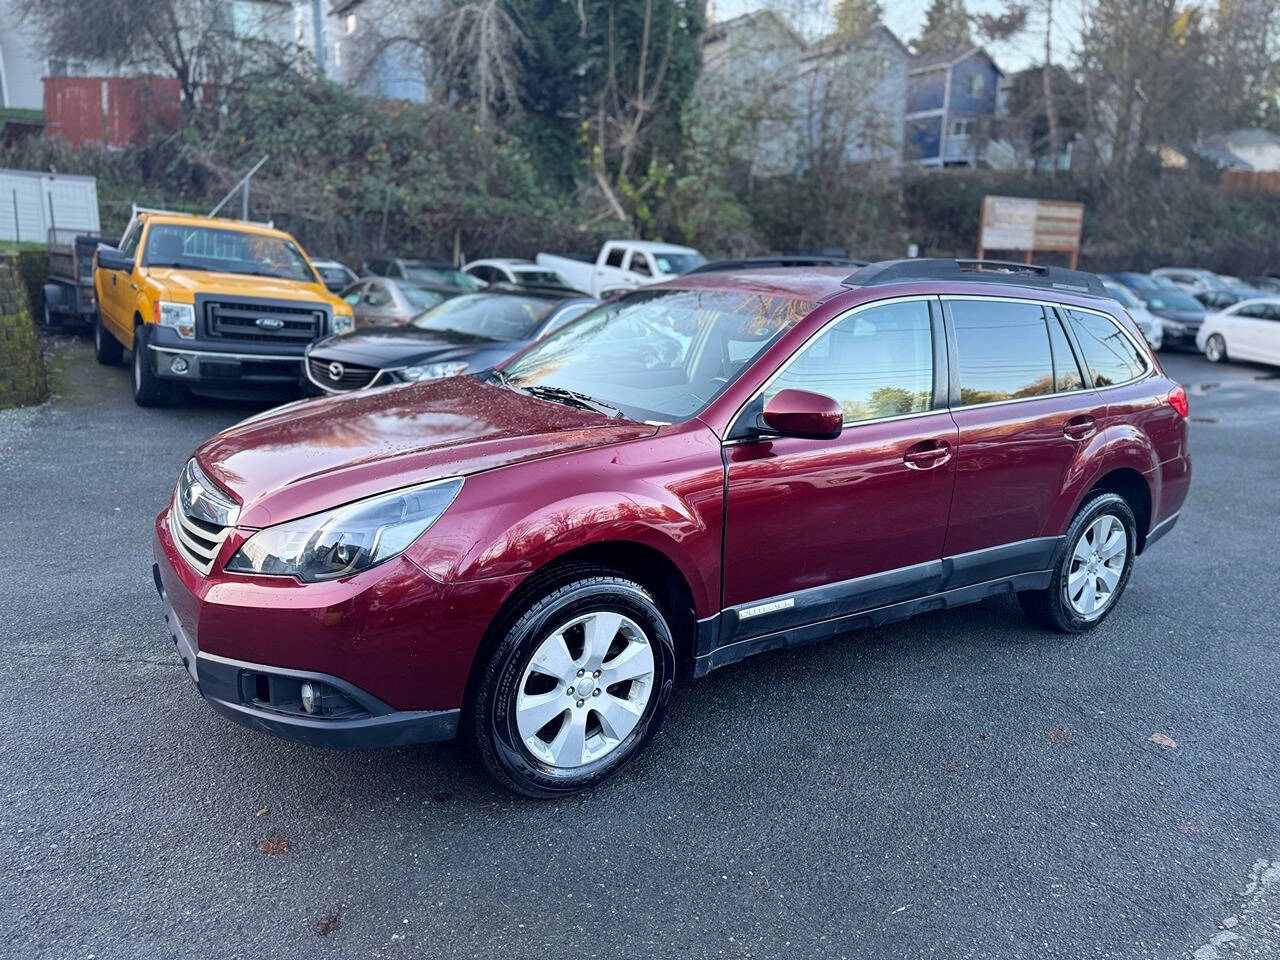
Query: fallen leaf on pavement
x,y
274,846
1058,734
1186,828
262,811
953,767
1160,740
327,924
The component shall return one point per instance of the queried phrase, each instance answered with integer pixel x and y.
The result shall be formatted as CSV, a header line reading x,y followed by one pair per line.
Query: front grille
x,y
351,376
200,518
257,321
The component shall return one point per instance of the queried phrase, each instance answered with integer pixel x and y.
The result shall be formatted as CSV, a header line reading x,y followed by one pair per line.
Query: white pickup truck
x,y
623,265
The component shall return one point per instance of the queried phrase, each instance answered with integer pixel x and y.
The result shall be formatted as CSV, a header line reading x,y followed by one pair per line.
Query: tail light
x,y
1178,400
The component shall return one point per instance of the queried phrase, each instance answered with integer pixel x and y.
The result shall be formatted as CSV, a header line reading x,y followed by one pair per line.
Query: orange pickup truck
x,y
223,308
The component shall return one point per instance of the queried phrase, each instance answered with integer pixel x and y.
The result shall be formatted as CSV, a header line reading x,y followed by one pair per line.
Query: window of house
x,y
977,85
1110,355
960,128
876,363
1002,351
351,23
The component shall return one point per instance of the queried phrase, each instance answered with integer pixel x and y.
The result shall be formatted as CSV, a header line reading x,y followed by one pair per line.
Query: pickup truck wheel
x,y
575,688
1091,567
106,348
148,389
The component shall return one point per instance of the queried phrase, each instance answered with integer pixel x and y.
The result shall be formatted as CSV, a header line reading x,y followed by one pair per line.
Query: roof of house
x,y
834,42
751,20
1220,147
949,58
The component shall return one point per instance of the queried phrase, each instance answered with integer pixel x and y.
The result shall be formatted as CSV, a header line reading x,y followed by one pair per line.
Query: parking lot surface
x,y
959,785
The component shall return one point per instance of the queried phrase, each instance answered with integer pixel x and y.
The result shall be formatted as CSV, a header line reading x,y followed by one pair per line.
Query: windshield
x,y
1169,299
1122,294
657,354
422,299
678,262
445,276
225,251
488,315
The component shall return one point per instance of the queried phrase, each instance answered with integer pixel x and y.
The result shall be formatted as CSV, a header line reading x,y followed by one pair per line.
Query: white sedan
x,y
1248,330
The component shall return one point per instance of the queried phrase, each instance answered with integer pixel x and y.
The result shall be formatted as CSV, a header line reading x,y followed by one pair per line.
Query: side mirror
x,y
799,413
109,258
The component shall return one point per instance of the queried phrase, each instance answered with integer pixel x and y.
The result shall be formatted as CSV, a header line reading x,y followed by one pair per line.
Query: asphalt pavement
x,y
961,785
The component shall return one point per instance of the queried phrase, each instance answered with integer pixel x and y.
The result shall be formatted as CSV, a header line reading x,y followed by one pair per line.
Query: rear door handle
x,y
1080,428
927,454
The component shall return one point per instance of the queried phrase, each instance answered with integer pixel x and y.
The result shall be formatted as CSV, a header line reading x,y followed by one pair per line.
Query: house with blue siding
x,y
953,105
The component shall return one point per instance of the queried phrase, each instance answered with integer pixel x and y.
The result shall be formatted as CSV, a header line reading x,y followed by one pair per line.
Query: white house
x,y
22,62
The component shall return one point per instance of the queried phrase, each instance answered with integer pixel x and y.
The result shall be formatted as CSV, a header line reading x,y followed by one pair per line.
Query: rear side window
x,y
876,363
614,259
1002,351
1109,354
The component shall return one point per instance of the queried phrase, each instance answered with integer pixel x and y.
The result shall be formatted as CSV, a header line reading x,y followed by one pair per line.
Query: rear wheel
x,y
106,348
1215,349
1090,568
575,688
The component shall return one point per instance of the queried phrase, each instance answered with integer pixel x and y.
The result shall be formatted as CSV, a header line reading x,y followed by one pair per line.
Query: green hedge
x,y
22,375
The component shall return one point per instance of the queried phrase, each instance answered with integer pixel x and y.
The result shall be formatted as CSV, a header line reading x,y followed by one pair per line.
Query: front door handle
x,y
1080,428
113,279
927,454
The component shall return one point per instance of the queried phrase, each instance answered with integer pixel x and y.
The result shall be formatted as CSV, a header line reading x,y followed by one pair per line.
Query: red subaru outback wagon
x,y
689,474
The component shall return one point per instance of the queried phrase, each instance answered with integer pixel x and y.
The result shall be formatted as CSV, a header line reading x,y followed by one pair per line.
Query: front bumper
x,y
262,698
226,367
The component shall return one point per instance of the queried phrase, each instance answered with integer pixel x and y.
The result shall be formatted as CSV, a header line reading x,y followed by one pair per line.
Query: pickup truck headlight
x,y
346,540
179,316
433,371
343,323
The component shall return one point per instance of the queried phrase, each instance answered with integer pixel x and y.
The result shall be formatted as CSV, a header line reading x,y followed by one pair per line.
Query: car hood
x,y
231,284
316,454
396,348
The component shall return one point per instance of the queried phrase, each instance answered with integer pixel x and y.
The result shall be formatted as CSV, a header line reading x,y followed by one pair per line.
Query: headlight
x,y
1174,328
179,316
349,539
433,371
343,323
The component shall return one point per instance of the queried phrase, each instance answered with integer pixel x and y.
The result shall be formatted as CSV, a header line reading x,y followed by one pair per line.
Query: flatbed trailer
x,y
69,297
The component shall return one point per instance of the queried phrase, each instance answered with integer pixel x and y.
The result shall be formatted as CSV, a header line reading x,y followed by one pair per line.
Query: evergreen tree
x,y
946,27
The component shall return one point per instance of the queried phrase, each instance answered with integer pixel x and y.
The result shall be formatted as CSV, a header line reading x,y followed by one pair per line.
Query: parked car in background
x,y
622,265
468,333
1191,279
428,272
334,275
781,260
535,555
1267,284
1249,330
223,308
1147,322
383,302
502,270
1180,313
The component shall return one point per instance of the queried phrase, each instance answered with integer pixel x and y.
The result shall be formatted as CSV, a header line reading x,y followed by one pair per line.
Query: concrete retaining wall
x,y
22,373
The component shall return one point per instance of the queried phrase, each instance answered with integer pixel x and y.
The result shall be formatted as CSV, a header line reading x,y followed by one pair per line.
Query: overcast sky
x,y
906,17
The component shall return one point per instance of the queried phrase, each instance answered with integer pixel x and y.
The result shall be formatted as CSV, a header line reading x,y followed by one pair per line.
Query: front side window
x,y
1109,354
129,245
640,263
614,259
875,363
1002,351
225,251
658,355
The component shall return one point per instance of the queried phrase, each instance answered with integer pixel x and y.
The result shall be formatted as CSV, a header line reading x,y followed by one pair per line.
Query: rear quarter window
x,y
1110,354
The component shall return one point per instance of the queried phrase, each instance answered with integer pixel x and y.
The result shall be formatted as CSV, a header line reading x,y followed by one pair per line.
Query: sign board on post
x,y
1018,223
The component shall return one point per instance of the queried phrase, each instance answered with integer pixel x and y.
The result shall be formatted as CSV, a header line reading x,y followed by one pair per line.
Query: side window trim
x,y
1059,313
732,437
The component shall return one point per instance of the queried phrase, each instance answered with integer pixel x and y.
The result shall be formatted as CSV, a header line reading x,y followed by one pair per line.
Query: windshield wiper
x,y
573,398
175,265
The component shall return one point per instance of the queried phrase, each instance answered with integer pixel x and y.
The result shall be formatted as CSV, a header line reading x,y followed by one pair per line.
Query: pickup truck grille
x,y
264,322
350,376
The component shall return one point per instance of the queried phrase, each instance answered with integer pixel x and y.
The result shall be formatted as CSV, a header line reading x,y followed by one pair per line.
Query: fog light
x,y
179,365
310,696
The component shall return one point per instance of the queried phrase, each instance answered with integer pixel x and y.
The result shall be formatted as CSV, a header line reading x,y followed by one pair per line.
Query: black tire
x,y
1051,608
1215,349
490,727
50,322
148,389
106,348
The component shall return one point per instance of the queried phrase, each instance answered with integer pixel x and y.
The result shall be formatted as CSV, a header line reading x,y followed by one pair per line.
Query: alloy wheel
x,y
585,689
1215,349
1097,564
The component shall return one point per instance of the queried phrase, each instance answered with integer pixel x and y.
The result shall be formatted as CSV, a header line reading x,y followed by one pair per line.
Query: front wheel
x,y
1090,568
575,688
1215,349
148,389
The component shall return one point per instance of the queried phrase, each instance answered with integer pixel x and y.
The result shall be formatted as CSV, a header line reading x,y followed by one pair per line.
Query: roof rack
x,y
982,271
781,260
